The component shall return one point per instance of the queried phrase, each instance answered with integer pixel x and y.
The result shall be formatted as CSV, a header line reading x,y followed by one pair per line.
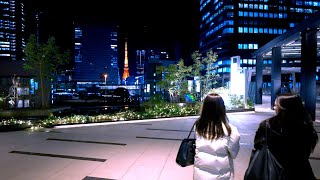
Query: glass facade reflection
x,y
237,28
96,54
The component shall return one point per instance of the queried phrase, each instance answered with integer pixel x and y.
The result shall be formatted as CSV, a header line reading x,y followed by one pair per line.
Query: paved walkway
x,y
132,150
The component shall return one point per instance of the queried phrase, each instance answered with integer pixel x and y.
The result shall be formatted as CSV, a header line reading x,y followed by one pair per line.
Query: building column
x,y
275,74
294,90
308,70
259,79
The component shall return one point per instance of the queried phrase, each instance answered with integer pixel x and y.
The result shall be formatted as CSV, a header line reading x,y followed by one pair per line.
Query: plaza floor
x,y
128,150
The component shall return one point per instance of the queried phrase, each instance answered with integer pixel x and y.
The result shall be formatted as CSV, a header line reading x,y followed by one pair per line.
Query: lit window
x,y
240,29
260,30
245,29
291,24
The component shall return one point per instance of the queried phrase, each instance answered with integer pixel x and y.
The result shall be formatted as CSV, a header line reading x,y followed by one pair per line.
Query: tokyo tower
x,y
126,64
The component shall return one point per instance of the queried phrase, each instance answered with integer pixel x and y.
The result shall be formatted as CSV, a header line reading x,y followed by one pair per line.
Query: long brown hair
x,y
213,115
293,116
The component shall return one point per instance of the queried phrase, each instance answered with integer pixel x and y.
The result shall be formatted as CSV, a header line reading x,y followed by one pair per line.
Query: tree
x,y
174,79
44,61
175,76
204,67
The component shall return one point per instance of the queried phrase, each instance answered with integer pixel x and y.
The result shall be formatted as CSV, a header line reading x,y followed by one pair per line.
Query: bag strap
x,y
191,129
267,129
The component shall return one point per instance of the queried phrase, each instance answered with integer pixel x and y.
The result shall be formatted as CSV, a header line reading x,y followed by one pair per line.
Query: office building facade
x,y
12,29
96,54
237,28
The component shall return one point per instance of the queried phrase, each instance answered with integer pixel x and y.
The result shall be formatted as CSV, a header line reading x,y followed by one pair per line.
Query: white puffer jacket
x,y
214,159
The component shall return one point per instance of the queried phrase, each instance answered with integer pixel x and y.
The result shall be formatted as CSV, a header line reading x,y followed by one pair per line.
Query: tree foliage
x,y
44,61
175,76
174,79
204,67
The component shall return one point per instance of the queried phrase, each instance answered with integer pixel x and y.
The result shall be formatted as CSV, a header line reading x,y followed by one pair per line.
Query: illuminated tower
x,y
126,64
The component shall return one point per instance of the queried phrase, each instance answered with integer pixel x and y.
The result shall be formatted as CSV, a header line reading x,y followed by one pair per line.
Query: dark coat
x,y
291,147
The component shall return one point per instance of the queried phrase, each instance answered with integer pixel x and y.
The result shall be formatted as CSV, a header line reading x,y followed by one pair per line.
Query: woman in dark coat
x,y
291,137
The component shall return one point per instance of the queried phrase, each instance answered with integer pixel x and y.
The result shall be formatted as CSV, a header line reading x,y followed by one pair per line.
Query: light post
x,y
105,83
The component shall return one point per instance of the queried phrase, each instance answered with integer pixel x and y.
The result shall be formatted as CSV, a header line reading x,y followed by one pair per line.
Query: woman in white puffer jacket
x,y
217,142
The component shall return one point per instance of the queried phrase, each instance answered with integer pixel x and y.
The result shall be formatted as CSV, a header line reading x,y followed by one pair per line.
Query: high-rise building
x,y
237,28
140,61
96,54
12,29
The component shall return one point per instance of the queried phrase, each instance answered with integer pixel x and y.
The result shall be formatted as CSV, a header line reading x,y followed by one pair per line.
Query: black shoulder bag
x,y
263,165
185,156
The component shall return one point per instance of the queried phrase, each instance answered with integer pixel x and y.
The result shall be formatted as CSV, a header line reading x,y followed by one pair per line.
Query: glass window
x,y
255,30
291,24
240,29
275,15
261,6
270,15
280,15
270,31
275,31
250,30
260,14
260,30
245,29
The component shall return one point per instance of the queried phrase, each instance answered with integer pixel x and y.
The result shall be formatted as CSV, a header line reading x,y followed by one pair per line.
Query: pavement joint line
x,y
95,178
144,137
81,141
168,130
59,156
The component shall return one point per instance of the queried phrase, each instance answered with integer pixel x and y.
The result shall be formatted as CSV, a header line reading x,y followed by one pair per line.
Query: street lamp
x,y
105,83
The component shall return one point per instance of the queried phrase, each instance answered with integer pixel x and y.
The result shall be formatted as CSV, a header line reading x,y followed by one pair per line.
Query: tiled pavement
x,y
132,150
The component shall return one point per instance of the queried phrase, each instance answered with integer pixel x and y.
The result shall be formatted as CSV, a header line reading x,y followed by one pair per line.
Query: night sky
x,y
147,23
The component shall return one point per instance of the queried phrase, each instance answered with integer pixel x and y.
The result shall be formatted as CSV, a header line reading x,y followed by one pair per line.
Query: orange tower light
x,y
126,64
